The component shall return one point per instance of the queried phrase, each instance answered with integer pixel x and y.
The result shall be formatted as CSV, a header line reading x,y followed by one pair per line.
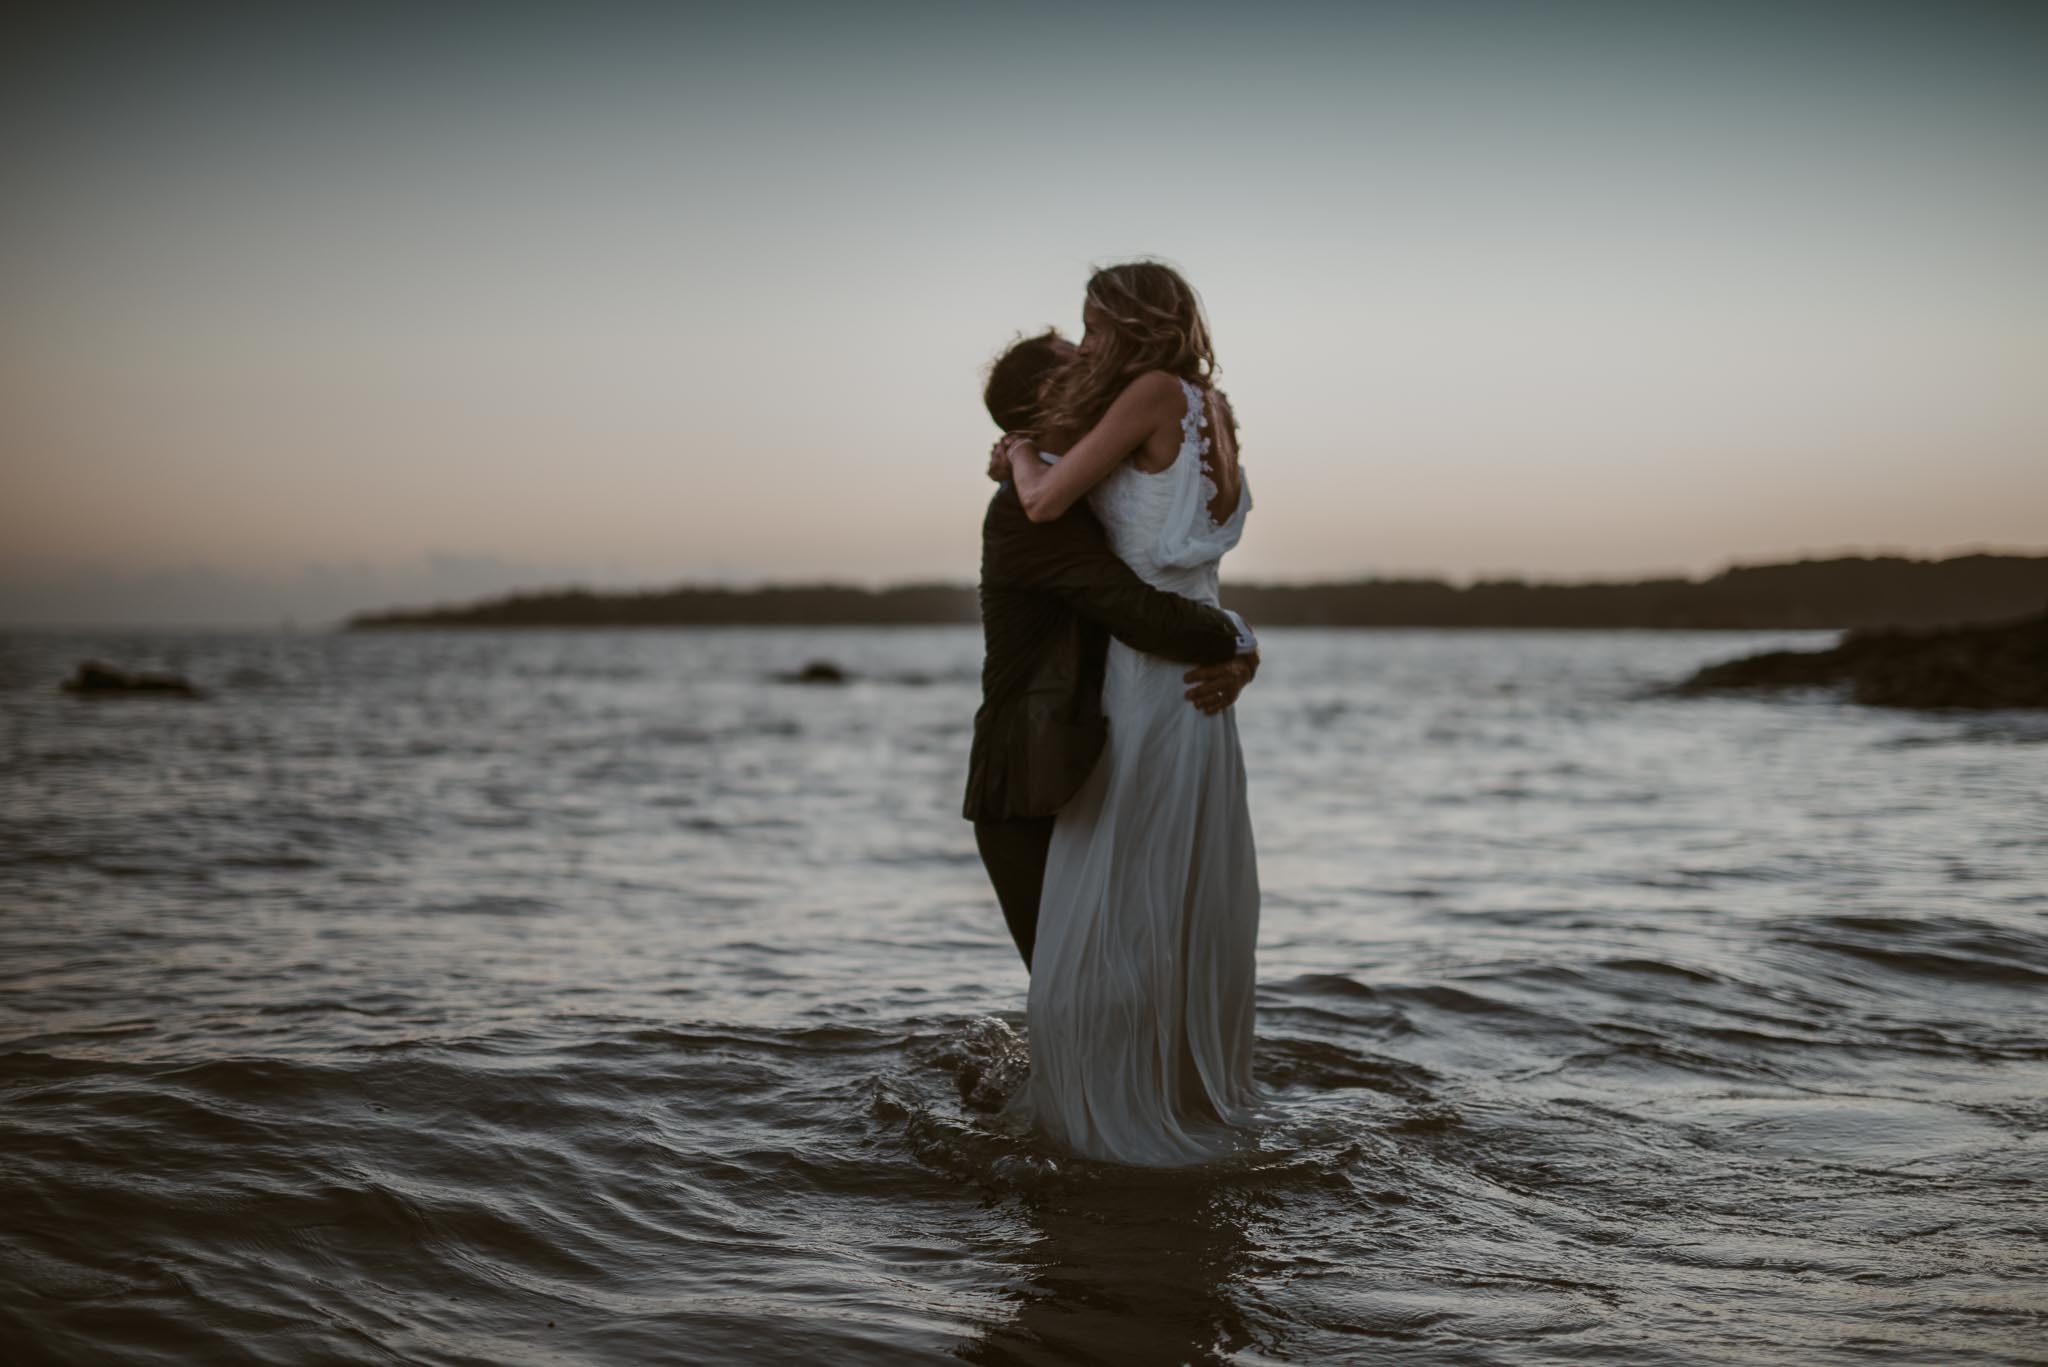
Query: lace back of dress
x,y
1182,529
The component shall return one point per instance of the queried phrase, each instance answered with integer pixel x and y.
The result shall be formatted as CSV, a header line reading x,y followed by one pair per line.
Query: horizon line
x,y
290,622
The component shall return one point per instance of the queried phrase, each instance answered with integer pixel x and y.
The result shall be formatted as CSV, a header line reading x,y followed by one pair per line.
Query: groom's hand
x,y
1215,687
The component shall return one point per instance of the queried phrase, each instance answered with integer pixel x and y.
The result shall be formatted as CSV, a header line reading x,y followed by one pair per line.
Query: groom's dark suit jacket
x,y
1052,594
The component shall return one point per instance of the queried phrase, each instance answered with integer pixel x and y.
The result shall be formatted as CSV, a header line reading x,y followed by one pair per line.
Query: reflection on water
x,y
591,997
1139,1275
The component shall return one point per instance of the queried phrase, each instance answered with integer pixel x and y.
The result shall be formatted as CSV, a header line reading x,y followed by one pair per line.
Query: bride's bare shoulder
x,y
1153,389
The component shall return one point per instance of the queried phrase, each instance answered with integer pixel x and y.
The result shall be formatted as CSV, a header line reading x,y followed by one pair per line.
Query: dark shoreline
x,y
1837,594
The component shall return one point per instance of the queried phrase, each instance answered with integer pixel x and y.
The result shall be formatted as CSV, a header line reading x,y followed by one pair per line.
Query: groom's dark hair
x,y
1015,379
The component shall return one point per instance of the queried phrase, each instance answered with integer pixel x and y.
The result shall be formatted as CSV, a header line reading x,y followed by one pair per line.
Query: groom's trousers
x,y
1014,852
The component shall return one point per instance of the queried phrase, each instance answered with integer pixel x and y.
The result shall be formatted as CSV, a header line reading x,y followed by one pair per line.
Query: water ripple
x,y
580,998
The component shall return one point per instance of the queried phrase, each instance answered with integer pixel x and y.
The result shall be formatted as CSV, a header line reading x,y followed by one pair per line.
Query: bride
x,y
1142,985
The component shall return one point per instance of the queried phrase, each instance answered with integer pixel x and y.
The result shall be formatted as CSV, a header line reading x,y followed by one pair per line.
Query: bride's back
x,y
1164,523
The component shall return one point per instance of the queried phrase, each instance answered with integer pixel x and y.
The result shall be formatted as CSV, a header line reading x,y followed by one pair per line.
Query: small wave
x,y
1941,947
987,1060
668,734
1447,998
270,861
1659,967
1323,1065
1327,985
492,904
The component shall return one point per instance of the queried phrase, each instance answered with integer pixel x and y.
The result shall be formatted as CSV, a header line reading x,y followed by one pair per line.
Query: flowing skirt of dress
x,y
1144,978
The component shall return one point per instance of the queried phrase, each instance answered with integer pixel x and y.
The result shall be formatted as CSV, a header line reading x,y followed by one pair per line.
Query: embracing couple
x,y
1106,785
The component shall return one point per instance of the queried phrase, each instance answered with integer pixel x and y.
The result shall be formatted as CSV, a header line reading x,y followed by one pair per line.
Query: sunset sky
x,y
303,317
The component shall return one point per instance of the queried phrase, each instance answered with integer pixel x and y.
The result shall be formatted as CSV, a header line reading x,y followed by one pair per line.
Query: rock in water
x,y
816,672
103,680
2001,665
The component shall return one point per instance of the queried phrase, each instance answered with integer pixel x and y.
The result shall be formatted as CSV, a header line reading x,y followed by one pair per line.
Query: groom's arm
x,y
1070,557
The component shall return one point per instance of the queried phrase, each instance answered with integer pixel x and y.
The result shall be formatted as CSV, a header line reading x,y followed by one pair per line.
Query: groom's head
x,y
1017,376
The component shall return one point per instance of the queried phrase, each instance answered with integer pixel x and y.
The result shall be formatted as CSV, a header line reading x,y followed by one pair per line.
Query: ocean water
x,y
592,997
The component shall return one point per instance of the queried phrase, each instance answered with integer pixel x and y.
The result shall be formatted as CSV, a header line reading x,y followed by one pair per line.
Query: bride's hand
x,y
999,454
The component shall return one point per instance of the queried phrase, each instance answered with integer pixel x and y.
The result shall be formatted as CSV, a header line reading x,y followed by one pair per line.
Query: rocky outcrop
x,y
103,680
816,672
2000,665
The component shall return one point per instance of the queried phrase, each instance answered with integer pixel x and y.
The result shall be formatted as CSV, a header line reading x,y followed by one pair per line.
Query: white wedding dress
x,y
1143,980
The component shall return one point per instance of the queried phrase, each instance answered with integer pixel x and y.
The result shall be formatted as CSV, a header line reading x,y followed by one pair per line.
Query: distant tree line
x,y
1876,591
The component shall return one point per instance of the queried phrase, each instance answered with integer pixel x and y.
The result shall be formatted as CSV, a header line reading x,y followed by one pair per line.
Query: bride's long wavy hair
x,y
1149,318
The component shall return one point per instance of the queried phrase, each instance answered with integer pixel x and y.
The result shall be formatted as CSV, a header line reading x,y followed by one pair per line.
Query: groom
x,y
1052,594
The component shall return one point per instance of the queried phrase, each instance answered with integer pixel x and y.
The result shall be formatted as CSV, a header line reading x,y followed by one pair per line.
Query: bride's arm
x,y
1147,403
